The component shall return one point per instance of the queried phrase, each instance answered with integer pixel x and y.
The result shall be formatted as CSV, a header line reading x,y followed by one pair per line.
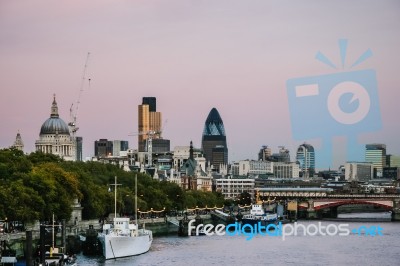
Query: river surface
x,y
353,249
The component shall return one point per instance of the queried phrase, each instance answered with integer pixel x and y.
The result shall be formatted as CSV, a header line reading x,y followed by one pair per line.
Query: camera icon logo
x,y
337,104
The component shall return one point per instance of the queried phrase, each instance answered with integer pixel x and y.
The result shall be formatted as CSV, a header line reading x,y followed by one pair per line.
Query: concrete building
x,y
252,167
103,148
119,146
264,153
182,153
231,188
286,170
358,171
55,138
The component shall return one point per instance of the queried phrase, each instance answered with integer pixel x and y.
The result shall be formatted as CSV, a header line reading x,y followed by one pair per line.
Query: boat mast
x,y
115,196
136,212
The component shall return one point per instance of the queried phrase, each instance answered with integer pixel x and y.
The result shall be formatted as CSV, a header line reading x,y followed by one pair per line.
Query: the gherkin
x,y
213,141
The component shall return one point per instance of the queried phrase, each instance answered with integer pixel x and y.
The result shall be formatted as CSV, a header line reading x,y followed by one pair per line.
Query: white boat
x,y
124,239
259,215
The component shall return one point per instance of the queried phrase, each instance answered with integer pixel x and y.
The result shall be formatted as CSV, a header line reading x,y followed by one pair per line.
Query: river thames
x,y
379,248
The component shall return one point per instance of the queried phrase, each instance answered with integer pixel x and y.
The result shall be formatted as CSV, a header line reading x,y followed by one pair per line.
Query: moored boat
x,y
123,238
258,214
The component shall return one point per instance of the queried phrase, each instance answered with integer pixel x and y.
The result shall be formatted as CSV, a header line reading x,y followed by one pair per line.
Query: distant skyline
x,y
192,56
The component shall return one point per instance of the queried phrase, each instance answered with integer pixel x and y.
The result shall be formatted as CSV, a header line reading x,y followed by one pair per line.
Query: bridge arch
x,y
320,205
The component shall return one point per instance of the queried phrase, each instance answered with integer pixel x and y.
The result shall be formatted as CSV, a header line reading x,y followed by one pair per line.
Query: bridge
x,y
316,201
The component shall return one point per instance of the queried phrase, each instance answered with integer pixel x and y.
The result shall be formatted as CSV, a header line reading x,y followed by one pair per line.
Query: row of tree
x,y
37,185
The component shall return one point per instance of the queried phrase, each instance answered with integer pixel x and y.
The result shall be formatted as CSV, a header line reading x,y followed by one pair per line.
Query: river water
x,y
353,249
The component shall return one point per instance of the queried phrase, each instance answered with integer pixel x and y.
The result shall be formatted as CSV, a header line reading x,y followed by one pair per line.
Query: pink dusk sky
x,y
192,56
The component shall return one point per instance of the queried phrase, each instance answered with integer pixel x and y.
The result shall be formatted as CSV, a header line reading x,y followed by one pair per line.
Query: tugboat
x,y
258,214
90,243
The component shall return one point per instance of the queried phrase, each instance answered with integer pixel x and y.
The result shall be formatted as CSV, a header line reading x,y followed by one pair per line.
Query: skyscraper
x,y
213,141
148,120
376,154
305,156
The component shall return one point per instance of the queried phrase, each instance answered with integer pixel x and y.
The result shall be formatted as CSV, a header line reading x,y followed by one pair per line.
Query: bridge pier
x,y
311,212
333,212
396,210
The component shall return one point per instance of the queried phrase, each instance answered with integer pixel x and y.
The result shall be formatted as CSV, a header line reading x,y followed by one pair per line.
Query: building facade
x,y
376,154
231,188
358,171
55,138
305,156
286,170
252,167
149,122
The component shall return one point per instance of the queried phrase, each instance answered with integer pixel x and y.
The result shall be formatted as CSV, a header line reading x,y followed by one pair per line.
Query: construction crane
x,y
74,113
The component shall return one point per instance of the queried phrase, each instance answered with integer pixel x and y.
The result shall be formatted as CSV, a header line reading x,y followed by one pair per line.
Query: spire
x,y
191,151
54,108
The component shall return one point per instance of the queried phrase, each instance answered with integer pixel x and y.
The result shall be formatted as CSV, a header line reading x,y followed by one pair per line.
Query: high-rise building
x,y
305,156
283,155
213,141
55,136
119,145
392,160
376,154
103,148
264,153
358,171
149,122
79,153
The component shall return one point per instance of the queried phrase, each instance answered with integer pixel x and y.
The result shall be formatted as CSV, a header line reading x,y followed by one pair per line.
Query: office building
x,y
358,171
305,156
376,154
213,141
149,122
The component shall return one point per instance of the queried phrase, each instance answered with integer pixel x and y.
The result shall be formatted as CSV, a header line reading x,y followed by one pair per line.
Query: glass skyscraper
x,y
376,154
305,156
213,141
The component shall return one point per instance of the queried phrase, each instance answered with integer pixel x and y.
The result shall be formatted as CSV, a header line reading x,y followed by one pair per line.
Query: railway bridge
x,y
317,201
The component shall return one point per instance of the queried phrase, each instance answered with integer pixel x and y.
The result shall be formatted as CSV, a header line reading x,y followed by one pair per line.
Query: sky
x,y
236,56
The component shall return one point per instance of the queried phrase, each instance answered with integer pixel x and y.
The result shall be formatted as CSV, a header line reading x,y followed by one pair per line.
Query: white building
x,y
251,167
286,170
181,155
231,188
358,171
55,137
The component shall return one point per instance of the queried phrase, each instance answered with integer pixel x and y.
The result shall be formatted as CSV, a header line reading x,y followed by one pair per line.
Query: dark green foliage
x,y
34,186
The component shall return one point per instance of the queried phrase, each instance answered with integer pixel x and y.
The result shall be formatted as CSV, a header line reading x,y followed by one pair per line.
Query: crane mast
x,y
74,113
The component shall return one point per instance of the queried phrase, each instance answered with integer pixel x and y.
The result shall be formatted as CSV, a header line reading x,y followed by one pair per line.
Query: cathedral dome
x,y
54,125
